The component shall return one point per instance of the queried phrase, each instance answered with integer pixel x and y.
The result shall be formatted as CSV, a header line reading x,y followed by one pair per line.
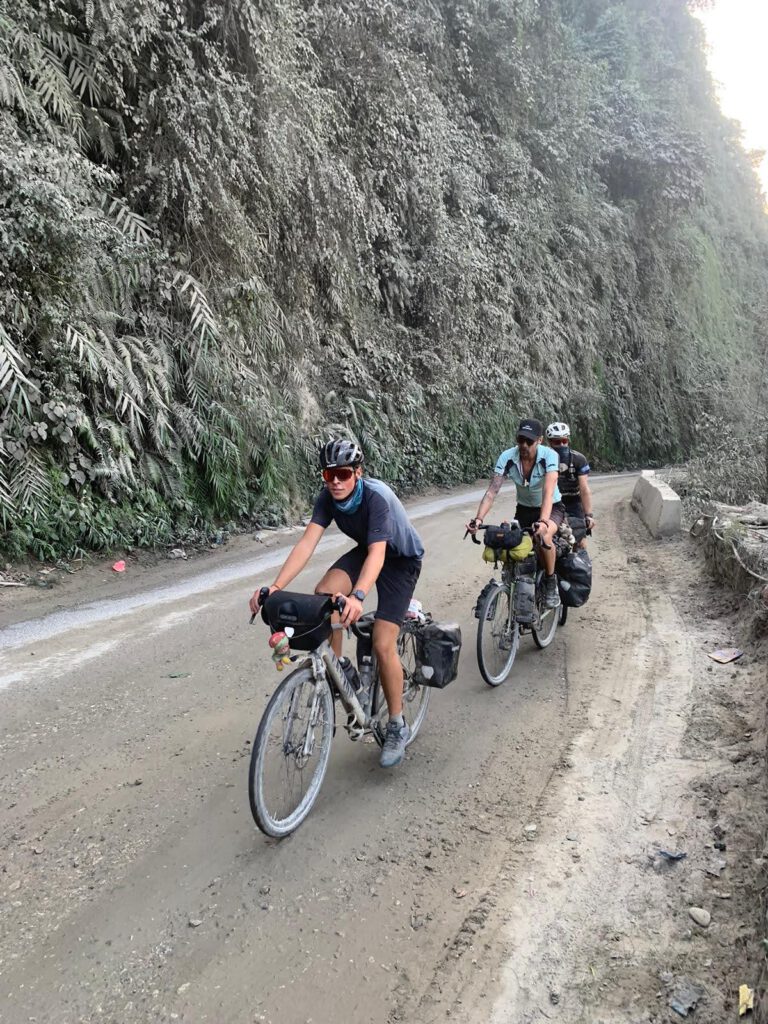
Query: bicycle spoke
x,y
497,638
291,753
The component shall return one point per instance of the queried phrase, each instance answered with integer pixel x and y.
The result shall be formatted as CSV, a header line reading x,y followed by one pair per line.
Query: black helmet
x,y
340,453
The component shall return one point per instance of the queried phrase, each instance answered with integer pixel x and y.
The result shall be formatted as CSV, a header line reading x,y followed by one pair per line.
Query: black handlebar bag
x,y
504,537
308,615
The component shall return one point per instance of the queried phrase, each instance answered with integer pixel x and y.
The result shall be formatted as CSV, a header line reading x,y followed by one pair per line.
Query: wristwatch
x,y
359,594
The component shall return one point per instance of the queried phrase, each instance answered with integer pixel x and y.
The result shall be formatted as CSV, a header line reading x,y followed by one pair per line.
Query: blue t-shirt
x,y
529,492
380,516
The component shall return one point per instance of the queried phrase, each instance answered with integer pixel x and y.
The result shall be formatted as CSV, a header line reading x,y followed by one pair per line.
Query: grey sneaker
x,y
551,593
393,751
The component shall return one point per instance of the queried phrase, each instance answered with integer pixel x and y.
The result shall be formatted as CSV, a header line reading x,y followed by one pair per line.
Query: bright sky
x,y
737,33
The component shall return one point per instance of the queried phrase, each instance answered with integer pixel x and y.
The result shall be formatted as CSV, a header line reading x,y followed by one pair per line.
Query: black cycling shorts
x,y
394,586
574,510
528,516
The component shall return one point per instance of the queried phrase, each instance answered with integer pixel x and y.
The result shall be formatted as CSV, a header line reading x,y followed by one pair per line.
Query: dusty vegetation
x,y
225,226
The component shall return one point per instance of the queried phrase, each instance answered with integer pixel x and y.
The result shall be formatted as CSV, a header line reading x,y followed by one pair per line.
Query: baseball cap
x,y
530,428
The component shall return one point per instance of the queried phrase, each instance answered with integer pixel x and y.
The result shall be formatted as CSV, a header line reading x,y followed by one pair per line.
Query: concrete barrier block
x,y
658,506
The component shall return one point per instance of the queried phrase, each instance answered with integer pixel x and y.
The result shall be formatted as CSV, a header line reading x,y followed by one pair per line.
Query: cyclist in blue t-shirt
x,y
388,553
534,468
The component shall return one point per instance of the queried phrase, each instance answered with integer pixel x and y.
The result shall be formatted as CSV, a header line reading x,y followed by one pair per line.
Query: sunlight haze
x,y
736,33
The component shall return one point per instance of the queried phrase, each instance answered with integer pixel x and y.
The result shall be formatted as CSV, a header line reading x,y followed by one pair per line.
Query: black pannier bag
x,y
438,646
504,537
308,615
574,574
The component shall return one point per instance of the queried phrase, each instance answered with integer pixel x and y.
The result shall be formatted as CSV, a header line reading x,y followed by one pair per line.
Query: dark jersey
x,y
380,516
572,465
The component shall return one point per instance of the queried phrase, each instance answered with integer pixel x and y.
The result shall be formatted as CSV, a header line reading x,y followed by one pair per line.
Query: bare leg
x,y
335,581
385,636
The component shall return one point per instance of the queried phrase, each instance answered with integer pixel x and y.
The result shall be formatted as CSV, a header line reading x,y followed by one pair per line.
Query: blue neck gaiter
x,y
353,502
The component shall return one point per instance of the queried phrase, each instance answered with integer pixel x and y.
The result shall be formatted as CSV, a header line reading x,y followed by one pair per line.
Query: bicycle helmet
x,y
341,452
558,430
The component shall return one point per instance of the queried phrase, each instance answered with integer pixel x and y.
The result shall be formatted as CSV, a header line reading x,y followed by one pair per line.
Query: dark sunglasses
x,y
525,440
343,473
557,441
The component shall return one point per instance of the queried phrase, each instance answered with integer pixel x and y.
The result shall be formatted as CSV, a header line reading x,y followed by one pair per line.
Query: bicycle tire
x,y
563,617
485,627
264,815
415,696
543,636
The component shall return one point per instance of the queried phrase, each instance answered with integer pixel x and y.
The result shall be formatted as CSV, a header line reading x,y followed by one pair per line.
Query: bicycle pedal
x,y
353,727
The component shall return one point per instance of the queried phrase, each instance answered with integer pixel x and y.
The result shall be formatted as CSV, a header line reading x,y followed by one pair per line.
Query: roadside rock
x,y
700,916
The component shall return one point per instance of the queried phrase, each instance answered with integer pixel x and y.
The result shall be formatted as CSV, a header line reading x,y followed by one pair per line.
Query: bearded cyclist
x,y
534,469
388,553
573,480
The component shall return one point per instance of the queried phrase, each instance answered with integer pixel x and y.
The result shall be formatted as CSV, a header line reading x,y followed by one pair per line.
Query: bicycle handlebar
x,y
526,529
338,604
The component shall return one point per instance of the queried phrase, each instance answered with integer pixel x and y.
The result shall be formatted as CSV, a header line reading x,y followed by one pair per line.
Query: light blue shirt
x,y
529,492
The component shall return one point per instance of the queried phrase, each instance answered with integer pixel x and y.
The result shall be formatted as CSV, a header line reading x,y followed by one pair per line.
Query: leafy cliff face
x,y
226,226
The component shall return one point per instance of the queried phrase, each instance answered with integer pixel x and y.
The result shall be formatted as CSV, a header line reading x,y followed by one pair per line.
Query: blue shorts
x,y
394,586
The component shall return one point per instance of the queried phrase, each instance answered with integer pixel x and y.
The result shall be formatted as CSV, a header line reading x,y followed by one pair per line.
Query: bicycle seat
x,y
363,628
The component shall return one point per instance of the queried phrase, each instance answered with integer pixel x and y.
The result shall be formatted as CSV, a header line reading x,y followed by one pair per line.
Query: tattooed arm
x,y
488,498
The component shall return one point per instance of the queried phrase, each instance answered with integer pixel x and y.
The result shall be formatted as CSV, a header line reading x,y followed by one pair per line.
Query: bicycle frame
x,y
325,665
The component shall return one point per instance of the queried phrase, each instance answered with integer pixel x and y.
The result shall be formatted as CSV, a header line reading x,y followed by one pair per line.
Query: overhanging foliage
x,y
225,225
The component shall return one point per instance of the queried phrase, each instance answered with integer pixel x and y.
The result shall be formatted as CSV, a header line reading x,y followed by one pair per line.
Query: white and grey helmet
x,y
341,452
558,430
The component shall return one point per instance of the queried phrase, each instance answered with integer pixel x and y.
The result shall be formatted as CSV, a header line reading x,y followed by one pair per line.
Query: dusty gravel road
x,y
136,888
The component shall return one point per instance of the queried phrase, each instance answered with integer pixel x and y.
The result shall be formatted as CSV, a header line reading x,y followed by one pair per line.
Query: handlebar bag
x,y
504,537
308,615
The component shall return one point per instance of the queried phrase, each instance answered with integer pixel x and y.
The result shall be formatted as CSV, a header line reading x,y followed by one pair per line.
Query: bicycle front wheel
x,y
498,635
415,696
545,627
290,753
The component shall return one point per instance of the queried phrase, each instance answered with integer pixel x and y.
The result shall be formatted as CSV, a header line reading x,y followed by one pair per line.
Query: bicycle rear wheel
x,y
415,696
290,753
563,617
546,618
497,640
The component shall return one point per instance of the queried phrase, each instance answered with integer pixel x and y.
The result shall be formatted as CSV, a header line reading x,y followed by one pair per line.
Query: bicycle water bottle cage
x,y
308,616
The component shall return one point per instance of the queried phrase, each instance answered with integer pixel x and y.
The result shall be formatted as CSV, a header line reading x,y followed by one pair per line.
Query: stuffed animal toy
x,y
281,650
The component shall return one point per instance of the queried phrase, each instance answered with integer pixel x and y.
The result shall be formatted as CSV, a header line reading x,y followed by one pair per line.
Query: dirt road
x,y
136,888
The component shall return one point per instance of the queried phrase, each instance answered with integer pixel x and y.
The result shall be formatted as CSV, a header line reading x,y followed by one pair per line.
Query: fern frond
x,y
12,376
7,503
130,223
30,484
51,84
204,325
12,93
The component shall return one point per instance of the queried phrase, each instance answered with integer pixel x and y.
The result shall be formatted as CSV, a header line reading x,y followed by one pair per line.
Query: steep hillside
x,y
228,226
